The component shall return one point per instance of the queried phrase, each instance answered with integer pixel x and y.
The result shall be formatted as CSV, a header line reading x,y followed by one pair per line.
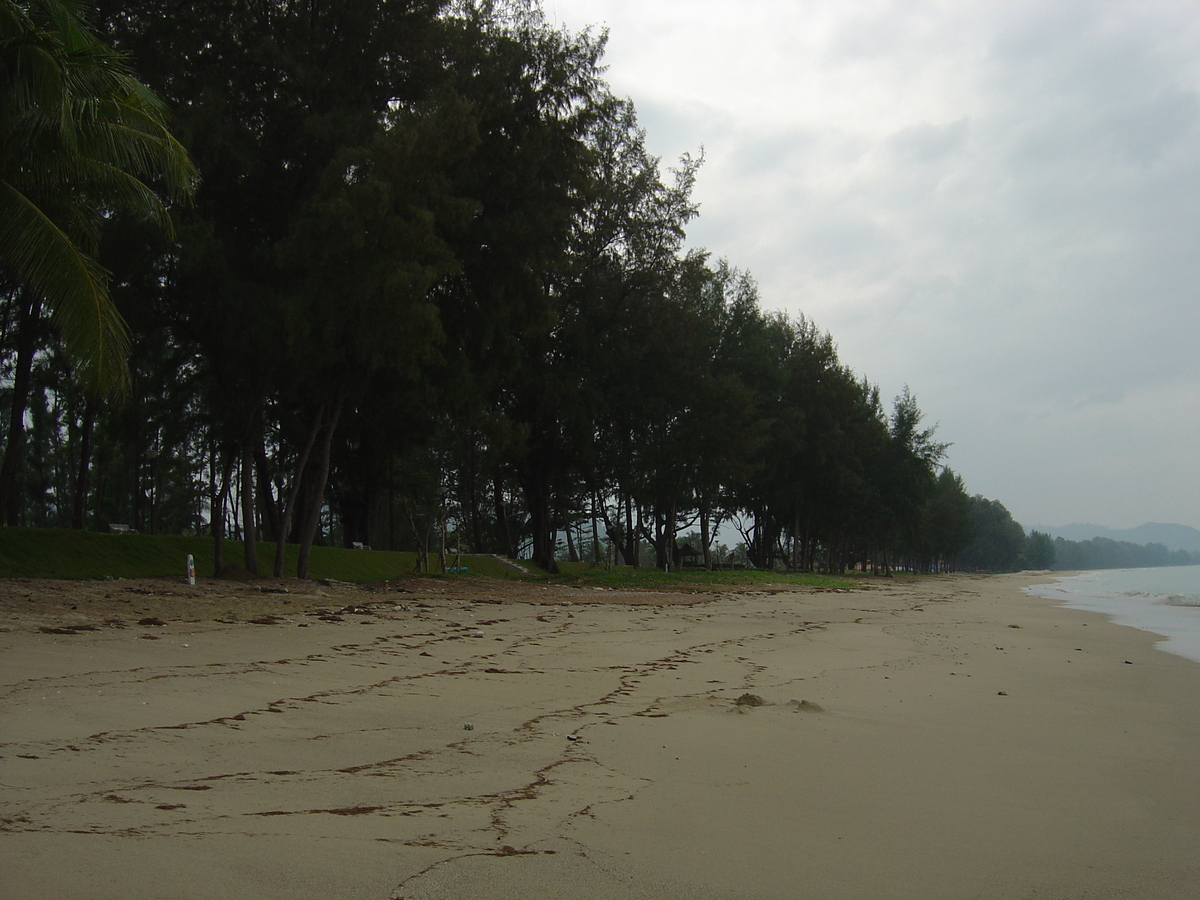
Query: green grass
x,y
60,553
629,577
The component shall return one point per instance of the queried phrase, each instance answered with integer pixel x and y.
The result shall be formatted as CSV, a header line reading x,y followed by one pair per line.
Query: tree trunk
x,y
314,513
391,505
632,557
669,532
541,522
420,536
612,530
14,447
268,508
503,531
572,553
595,533
285,521
473,512
83,476
655,538
219,489
249,525
442,492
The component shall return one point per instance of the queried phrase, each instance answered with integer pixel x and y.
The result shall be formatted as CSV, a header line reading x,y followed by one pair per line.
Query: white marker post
x,y
191,570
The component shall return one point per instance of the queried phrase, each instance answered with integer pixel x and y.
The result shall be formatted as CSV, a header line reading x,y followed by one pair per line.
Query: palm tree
x,y
80,139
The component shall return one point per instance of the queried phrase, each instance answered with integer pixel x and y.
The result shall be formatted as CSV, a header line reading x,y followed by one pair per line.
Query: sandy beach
x,y
946,738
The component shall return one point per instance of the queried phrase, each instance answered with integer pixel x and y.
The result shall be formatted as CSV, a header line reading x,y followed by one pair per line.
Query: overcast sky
x,y
997,204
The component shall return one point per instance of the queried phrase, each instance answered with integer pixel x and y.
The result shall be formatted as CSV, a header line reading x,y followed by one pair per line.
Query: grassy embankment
x,y
656,579
59,553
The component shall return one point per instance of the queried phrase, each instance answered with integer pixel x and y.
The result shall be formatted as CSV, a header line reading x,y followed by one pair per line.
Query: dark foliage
x,y
433,293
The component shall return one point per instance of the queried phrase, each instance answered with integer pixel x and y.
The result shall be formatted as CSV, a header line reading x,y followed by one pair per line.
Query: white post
x,y
191,570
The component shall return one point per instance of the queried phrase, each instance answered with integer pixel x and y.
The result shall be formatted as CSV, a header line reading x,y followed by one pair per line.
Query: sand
x,y
948,738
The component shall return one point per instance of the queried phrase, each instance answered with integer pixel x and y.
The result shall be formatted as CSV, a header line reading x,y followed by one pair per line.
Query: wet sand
x,y
948,738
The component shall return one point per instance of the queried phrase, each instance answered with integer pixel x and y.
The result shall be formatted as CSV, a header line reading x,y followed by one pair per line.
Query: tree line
x,y
404,275
1000,544
1106,553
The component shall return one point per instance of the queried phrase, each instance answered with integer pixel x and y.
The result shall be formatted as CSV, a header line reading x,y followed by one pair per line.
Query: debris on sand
x,y
805,706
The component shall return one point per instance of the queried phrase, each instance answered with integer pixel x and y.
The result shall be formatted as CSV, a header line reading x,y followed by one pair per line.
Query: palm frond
x,y
80,137
36,252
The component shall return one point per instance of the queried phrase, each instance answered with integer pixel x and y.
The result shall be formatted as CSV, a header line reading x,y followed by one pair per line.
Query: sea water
x,y
1163,601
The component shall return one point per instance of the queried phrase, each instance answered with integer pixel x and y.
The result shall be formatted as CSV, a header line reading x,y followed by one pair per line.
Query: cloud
x,y
1145,133
996,203
925,143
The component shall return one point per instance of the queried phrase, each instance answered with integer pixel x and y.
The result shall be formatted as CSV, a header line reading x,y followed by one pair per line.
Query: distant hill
x,y
1173,537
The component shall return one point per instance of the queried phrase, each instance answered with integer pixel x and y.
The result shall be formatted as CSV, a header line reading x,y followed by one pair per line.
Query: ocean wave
x,y
1182,600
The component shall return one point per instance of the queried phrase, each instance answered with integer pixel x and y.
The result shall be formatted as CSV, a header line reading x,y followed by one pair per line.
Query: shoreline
x,y
946,738
1161,601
